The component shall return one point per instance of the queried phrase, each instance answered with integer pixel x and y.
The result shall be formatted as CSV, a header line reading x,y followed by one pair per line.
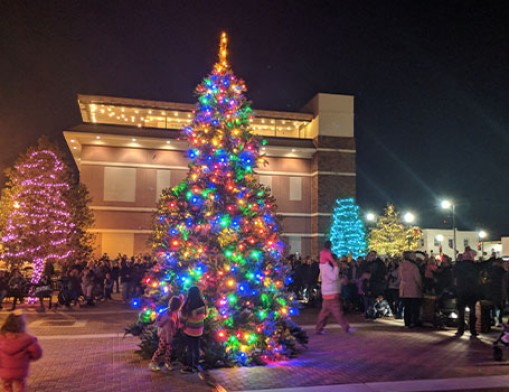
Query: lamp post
x,y
409,217
370,217
446,204
482,235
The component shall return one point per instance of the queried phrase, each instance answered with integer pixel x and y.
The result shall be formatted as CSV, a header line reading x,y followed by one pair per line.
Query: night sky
x,y
430,80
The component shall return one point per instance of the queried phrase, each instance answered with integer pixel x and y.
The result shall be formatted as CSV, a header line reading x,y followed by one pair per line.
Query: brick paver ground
x,y
379,351
84,351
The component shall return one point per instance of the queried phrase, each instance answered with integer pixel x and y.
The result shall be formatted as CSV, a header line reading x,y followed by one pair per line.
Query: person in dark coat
x,y
466,275
495,286
115,275
314,273
444,277
17,287
377,280
126,279
4,286
301,270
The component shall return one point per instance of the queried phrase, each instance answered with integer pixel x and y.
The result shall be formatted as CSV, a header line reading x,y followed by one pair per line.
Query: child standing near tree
x,y
108,286
17,349
167,326
193,314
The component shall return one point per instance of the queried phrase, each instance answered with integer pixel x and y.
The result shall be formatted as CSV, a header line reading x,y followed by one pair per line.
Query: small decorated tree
x,y
347,232
413,238
218,230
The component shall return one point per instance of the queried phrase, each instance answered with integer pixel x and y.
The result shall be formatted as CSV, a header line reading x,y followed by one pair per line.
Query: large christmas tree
x,y
391,236
44,217
347,232
218,230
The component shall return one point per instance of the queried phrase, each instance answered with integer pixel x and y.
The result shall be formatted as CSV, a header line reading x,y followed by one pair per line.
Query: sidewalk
x,y
381,356
84,351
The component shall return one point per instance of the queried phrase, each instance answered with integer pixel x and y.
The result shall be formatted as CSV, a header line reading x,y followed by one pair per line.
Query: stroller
x,y
446,314
503,340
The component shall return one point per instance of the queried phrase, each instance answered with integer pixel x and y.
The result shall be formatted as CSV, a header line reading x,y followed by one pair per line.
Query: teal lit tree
x,y
218,230
347,232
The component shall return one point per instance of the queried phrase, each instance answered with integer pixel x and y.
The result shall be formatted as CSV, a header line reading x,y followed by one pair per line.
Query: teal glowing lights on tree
x,y
347,232
218,230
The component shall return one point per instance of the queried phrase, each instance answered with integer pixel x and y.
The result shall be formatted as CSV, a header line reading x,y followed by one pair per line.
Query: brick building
x,y
127,151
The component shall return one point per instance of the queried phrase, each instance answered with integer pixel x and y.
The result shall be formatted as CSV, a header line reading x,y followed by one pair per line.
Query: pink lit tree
x,y
40,206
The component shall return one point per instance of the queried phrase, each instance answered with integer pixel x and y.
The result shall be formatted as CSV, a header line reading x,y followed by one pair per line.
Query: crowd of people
x,y
376,286
77,283
396,286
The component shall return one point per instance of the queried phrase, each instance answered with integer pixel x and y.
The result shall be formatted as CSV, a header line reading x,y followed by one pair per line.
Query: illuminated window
x,y
295,244
119,184
296,188
163,181
266,181
115,243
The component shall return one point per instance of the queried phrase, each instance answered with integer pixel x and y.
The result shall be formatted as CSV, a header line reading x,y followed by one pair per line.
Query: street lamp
x,y
482,235
370,217
446,204
409,217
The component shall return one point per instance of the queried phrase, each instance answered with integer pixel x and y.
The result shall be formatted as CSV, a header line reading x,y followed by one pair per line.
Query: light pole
x,y
482,236
370,217
446,204
409,217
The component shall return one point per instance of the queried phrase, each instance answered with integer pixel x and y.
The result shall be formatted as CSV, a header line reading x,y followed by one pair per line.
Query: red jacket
x,y
16,352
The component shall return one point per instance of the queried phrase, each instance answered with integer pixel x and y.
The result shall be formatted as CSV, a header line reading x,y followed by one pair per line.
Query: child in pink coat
x,y
167,326
17,349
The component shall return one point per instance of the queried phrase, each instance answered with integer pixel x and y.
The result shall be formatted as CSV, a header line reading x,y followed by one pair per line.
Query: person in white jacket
x,y
331,288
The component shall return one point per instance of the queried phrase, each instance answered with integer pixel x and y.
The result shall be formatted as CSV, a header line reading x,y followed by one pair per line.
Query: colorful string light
x,y
347,232
218,229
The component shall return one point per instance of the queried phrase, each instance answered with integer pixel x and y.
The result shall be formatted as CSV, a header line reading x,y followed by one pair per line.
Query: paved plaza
x,y
84,350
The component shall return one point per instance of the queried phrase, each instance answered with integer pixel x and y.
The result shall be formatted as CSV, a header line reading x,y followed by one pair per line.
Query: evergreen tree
x,y
391,236
218,230
81,240
347,232
413,238
38,221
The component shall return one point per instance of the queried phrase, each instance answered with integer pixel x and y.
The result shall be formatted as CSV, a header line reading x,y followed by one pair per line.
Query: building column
x,y
333,169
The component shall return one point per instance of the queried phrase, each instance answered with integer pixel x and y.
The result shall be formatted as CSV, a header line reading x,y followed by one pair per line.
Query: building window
x,y
437,242
266,181
162,181
296,188
295,245
119,184
115,243
465,242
